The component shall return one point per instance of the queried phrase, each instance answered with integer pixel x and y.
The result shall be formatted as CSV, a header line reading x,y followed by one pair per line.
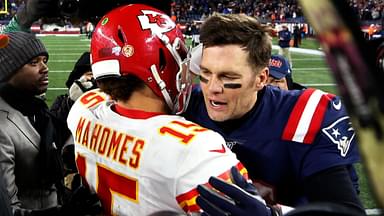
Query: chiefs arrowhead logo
x,y
221,150
158,23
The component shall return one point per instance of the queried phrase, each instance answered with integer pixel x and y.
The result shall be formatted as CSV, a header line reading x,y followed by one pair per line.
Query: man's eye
x,y
205,73
203,79
230,78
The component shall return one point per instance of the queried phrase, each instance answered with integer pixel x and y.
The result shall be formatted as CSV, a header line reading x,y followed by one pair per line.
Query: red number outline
x,y
110,182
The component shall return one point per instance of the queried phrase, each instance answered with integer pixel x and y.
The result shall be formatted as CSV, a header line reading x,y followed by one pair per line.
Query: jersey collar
x,y
135,114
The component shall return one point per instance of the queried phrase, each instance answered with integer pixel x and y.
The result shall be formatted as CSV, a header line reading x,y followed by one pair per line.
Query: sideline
x,y
374,211
302,50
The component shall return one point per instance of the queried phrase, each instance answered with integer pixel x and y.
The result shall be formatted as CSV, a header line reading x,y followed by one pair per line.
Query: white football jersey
x,y
139,166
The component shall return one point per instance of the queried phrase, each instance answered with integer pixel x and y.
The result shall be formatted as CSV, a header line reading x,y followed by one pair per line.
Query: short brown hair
x,y
242,30
120,88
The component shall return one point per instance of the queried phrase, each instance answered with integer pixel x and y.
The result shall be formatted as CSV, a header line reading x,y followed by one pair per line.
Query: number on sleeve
x,y
185,135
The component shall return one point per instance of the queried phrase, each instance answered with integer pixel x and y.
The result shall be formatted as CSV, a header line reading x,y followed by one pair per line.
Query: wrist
x,y
21,27
280,210
14,26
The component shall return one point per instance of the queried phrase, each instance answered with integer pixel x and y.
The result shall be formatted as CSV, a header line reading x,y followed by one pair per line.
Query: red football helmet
x,y
143,41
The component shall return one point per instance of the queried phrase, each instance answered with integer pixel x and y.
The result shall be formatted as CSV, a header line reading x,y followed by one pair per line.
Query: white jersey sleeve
x,y
208,156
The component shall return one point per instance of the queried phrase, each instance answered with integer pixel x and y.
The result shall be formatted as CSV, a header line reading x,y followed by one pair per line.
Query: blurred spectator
x,y
296,36
195,34
303,31
79,81
284,40
89,27
280,74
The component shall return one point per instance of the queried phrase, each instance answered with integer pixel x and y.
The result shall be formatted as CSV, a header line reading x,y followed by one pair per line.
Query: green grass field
x,y
310,70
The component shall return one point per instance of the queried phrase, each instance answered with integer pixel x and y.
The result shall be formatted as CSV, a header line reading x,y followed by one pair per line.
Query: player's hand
x,y
34,10
82,202
241,198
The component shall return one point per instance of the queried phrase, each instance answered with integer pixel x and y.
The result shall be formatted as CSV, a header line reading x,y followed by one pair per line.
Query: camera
x,y
69,8
87,9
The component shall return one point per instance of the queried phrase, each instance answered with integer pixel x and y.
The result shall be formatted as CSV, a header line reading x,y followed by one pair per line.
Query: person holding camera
x,y
74,10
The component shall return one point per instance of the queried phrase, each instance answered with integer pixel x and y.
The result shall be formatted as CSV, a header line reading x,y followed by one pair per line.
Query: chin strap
x,y
163,86
172,48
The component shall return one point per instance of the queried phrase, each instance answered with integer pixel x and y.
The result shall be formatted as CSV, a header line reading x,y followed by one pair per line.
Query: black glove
x,y
34,10
241,198
81,202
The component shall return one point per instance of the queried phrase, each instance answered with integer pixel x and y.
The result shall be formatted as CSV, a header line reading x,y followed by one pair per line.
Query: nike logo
x,y
222,150
337,106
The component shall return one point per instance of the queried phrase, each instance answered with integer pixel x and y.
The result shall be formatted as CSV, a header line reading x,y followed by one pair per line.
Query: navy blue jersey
x,y
284,38
286,137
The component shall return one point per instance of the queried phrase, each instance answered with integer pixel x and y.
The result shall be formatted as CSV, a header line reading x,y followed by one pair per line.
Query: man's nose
x,y
44,66
215,85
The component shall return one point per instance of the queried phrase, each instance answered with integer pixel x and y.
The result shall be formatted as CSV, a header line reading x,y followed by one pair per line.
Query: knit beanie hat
x,y
21,48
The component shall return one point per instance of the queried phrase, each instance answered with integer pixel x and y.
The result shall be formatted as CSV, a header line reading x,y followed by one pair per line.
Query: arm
x,y
206,155
81,202
7,168
31,12
241,198
333,185
5,205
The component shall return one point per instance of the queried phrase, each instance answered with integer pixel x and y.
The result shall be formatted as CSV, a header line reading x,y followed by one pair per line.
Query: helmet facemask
x,y
183,78
184,87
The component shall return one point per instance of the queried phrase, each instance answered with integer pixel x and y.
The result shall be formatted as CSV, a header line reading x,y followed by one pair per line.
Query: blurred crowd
x,y
368,10
266,10
186,11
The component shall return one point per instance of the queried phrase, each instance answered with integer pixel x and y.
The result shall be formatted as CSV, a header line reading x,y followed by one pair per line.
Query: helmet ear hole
x,y
162,61
121,35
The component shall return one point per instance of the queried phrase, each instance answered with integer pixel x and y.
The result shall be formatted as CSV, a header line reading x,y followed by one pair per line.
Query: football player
x,y
131,150
298,146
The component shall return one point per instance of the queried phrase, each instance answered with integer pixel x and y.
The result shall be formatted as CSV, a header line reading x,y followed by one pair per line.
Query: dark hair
x,y
120,88
239,29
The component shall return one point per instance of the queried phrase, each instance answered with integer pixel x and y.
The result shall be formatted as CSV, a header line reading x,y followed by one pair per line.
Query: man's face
x,y
87,76
229,83
281,83
32,77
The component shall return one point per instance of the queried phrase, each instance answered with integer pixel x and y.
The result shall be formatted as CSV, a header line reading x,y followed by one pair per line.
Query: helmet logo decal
x,y
157,22
128,50
105,21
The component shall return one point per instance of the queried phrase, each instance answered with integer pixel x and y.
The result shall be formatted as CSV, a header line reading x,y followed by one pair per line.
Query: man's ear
x,y
262,78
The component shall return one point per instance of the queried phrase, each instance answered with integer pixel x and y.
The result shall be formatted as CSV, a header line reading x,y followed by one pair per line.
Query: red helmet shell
x,y
131,39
